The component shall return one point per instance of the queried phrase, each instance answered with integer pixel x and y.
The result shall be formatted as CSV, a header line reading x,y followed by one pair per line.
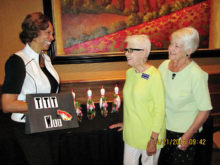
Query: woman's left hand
x,y
184,143
151,147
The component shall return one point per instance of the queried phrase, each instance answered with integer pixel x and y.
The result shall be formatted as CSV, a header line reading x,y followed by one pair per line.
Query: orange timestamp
x,y
179,141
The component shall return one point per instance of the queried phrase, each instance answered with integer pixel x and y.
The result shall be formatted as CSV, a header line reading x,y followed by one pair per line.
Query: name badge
x,y
145,76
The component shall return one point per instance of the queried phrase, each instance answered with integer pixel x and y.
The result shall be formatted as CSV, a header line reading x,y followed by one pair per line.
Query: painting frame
x,y
109,56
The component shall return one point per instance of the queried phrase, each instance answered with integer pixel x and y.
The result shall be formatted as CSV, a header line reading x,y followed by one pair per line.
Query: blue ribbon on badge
x,y
145,76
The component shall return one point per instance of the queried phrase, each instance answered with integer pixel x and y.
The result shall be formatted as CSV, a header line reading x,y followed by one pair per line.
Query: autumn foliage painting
x,y
99,26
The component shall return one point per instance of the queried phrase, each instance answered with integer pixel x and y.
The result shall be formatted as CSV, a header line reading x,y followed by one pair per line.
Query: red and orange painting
x,y
99,26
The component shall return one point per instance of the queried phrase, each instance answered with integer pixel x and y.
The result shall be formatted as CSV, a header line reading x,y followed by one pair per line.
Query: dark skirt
x,y
37,148
172,155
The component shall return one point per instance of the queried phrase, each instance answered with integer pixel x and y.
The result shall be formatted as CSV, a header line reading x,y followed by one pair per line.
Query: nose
x,y
127,53
170,47
51,37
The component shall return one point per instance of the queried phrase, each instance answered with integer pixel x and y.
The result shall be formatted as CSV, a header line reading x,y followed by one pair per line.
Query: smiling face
x,y
176,50
135,57
43,40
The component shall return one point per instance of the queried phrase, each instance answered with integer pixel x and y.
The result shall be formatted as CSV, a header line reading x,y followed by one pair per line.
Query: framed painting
x,y
94,30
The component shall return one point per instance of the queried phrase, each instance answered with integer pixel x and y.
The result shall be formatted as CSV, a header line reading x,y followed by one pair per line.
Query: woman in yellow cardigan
x,y
144,107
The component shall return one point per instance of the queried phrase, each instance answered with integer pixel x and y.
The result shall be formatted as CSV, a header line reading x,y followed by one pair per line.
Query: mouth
x,y
172,54
47,43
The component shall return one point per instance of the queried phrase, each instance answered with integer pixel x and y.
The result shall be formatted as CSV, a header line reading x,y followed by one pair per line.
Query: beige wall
x,y
12,12
214,35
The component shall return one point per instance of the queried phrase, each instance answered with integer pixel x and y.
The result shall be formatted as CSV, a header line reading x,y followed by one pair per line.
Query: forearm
x,y
10,104
18,107
198,122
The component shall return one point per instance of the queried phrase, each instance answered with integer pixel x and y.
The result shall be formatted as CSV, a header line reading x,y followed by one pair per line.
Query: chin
x,y
46,47
130,63
171,57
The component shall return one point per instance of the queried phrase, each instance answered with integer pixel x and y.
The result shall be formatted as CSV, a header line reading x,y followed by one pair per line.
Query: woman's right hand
x,y
118,125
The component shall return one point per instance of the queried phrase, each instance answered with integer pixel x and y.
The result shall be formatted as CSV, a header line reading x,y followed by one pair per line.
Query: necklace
x,y
41,60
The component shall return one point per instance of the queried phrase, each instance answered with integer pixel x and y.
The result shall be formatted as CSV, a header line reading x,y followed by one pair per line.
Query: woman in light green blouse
x,y
187,99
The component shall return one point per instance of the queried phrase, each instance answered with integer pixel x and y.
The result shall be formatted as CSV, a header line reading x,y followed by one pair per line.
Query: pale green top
x,y
186,95
144,107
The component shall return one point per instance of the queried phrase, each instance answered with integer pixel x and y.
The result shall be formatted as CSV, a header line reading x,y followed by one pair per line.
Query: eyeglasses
x,y
130,50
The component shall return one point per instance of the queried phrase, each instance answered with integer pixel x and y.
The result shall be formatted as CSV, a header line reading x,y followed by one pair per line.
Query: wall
x,y
12,14
214,35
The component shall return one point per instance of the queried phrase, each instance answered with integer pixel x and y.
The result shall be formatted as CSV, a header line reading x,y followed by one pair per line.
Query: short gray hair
x,y
189,36
143,40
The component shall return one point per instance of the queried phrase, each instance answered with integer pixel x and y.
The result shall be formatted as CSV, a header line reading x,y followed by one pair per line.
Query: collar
x,y
31,53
